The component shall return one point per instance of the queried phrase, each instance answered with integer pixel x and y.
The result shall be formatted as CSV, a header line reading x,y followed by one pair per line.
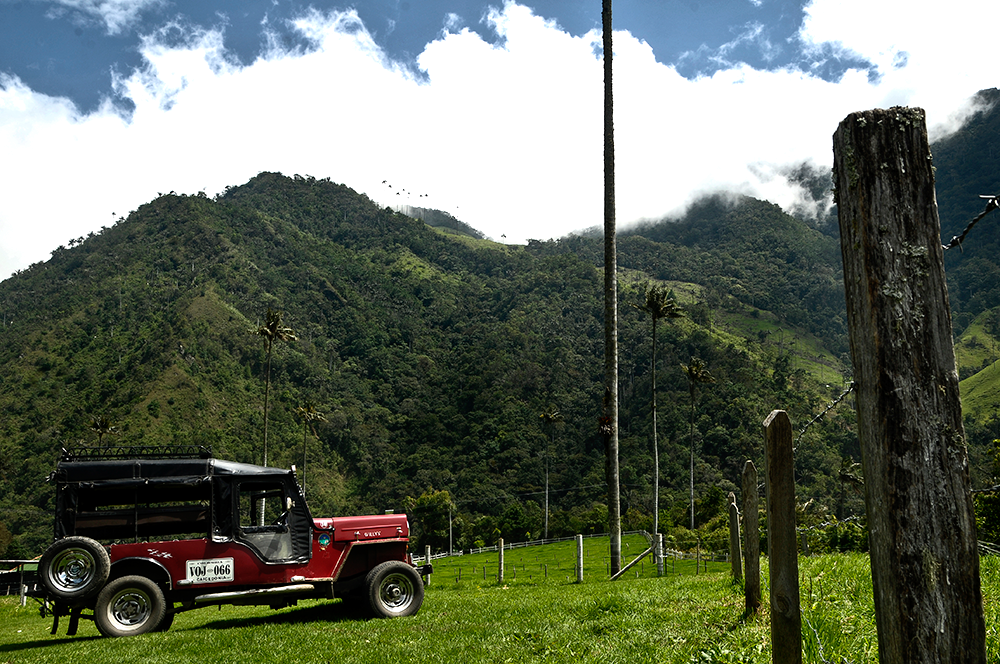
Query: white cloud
x,y
506,136
453,22
115,15
932,58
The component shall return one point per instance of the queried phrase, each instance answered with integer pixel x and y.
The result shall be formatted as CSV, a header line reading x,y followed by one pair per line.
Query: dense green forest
x,y
437,358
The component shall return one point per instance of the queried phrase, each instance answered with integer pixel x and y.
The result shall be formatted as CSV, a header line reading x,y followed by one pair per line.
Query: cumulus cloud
x,y
932,59
504,134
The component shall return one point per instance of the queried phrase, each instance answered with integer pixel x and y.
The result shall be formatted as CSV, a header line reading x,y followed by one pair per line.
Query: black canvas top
x,y
127,471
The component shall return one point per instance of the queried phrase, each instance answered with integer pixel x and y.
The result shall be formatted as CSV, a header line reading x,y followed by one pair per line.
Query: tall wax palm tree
x,y
658,304
609,419
696,373
102,427
272,330
309,416
550,419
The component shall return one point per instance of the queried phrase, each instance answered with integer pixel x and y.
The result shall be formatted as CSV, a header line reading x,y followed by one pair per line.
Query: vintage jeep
x,y
142,534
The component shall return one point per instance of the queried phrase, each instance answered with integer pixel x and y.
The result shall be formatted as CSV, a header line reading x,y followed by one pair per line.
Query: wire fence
x,y
833,404
682,553
992,203
532,563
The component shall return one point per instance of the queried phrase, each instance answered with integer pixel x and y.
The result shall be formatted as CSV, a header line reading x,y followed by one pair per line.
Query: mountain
x,y
432,355
967,166
441,220
433,352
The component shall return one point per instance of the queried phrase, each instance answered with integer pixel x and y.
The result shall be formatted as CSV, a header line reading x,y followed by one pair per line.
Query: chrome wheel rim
x,y
130,608
72,570
396,592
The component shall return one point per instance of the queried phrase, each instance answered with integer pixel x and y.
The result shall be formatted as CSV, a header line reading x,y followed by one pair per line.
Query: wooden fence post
x,y
660,571
782,544
922,532
735,557
500,568
427,559
751,538
579,558
658,543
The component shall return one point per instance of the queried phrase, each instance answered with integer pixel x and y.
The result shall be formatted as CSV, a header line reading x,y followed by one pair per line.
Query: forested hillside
x,y
967,167
431,356
439,359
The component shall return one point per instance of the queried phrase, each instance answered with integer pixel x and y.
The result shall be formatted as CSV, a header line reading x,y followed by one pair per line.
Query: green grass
x,y
556,563
981,391
680,618
977,350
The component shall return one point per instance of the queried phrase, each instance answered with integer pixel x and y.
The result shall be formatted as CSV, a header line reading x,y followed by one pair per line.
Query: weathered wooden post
x,y
782,544
500,568
751,538
922,533
427,559
658,552
660,571
735,557
579,558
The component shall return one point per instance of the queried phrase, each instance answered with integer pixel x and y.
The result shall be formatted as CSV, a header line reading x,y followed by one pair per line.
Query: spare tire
x,y
74,568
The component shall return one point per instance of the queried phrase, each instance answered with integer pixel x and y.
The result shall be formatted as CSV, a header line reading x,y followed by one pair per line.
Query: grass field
x,y
541,615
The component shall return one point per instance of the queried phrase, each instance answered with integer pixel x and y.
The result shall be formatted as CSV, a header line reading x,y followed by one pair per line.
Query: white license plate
x,y
215,570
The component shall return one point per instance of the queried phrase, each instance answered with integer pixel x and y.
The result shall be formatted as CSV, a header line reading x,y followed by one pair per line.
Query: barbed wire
x,y
819,642
988,548
506,496
992,203
827,524
833,404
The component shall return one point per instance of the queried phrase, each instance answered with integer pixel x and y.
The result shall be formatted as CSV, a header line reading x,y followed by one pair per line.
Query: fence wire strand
x,y
991,204
833,404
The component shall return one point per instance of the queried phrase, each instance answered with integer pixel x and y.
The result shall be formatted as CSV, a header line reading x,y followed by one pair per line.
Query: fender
x,y
360,543
118,564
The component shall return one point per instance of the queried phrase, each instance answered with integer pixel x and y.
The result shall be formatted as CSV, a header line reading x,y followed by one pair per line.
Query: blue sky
x,y
491,111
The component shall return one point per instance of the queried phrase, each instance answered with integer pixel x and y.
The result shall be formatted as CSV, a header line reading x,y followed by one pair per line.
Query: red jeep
x,y
184,530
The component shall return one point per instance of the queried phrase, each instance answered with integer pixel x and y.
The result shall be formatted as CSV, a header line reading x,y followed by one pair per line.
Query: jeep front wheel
x,y
394,589
128,606
74,568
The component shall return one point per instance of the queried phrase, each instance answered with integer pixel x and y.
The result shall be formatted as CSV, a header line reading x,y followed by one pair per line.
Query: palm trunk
x,y
610,306
267,390
546,498
658,556
305,434
692,458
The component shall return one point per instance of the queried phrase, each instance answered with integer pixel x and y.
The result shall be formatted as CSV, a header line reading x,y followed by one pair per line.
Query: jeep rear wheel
x,y
128,606
74,568
394,589
168,620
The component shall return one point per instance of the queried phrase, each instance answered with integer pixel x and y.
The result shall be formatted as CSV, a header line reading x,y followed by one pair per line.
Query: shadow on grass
x,y
330,612
32,645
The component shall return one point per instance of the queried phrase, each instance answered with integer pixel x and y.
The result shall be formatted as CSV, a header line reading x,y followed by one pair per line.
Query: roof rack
x,y
137,452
